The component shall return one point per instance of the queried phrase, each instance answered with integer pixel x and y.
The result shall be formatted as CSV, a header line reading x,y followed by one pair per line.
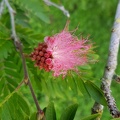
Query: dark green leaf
x,y
12,107
5,113
95,93
23,105
69,112
12,73
3,45
82,87
50,113
33,116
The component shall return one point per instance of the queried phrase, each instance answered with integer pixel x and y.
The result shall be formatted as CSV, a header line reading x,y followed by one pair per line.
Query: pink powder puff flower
x,y
67,52
64,52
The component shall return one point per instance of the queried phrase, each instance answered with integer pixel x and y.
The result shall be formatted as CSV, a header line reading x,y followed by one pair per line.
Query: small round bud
x,y
44,49
36,52
42,59
41,53
38,58
40,47
46,55
45,45
48,61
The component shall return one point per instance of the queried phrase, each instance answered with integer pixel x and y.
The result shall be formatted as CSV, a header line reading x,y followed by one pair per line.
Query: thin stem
x,y
12,12
34,97
1,7
48,2
18,46
19,85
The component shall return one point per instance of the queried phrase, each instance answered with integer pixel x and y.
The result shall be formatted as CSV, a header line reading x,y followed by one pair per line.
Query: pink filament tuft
x,y
67,52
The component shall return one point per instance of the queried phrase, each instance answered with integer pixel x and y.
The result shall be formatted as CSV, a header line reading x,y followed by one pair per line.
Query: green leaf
x,y
23,104
12,73
85,67
69,112
94,56
72,83
4,31
5,48
92,117
95,93
5,113
33,116
82,87
50,112
20,115
21,17
34,7
14,107
116,119
9,69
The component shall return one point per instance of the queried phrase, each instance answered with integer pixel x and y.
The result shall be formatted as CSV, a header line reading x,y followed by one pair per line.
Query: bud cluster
x,y
42,57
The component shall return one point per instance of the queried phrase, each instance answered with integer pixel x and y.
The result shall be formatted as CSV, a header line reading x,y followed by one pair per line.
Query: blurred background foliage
x,y
35,20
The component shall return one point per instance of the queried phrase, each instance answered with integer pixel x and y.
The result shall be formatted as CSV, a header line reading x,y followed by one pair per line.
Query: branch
x,y
48,2
18,46
1,7
116,78
111,67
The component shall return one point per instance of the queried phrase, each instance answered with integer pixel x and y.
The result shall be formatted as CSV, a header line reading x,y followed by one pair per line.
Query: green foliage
x,y
14,107
50,112
69,112
33,23
33,116
95,93
115,119
92,117
34,7
82,87
5,41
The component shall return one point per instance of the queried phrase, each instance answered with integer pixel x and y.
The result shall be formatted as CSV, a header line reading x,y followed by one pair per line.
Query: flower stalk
x,y
48,2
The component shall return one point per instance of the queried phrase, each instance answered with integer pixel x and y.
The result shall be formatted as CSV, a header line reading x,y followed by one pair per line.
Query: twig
x,y
19,48
48,2
20,84
1,7
116,78
111,66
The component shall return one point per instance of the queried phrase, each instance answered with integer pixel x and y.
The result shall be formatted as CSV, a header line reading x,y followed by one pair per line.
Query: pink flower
x,y
67,52
63,52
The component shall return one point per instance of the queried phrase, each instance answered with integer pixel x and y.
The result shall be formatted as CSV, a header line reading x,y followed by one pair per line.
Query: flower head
x,y
61,52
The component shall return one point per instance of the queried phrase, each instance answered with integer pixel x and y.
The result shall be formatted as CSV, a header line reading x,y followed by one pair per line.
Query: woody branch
x,y
18,46
109,72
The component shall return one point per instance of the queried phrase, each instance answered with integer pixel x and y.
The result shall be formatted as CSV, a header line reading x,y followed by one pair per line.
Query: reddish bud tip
x,y
44,49
40,47
48,61
36,52
38,58
46,55
42,59
41,53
